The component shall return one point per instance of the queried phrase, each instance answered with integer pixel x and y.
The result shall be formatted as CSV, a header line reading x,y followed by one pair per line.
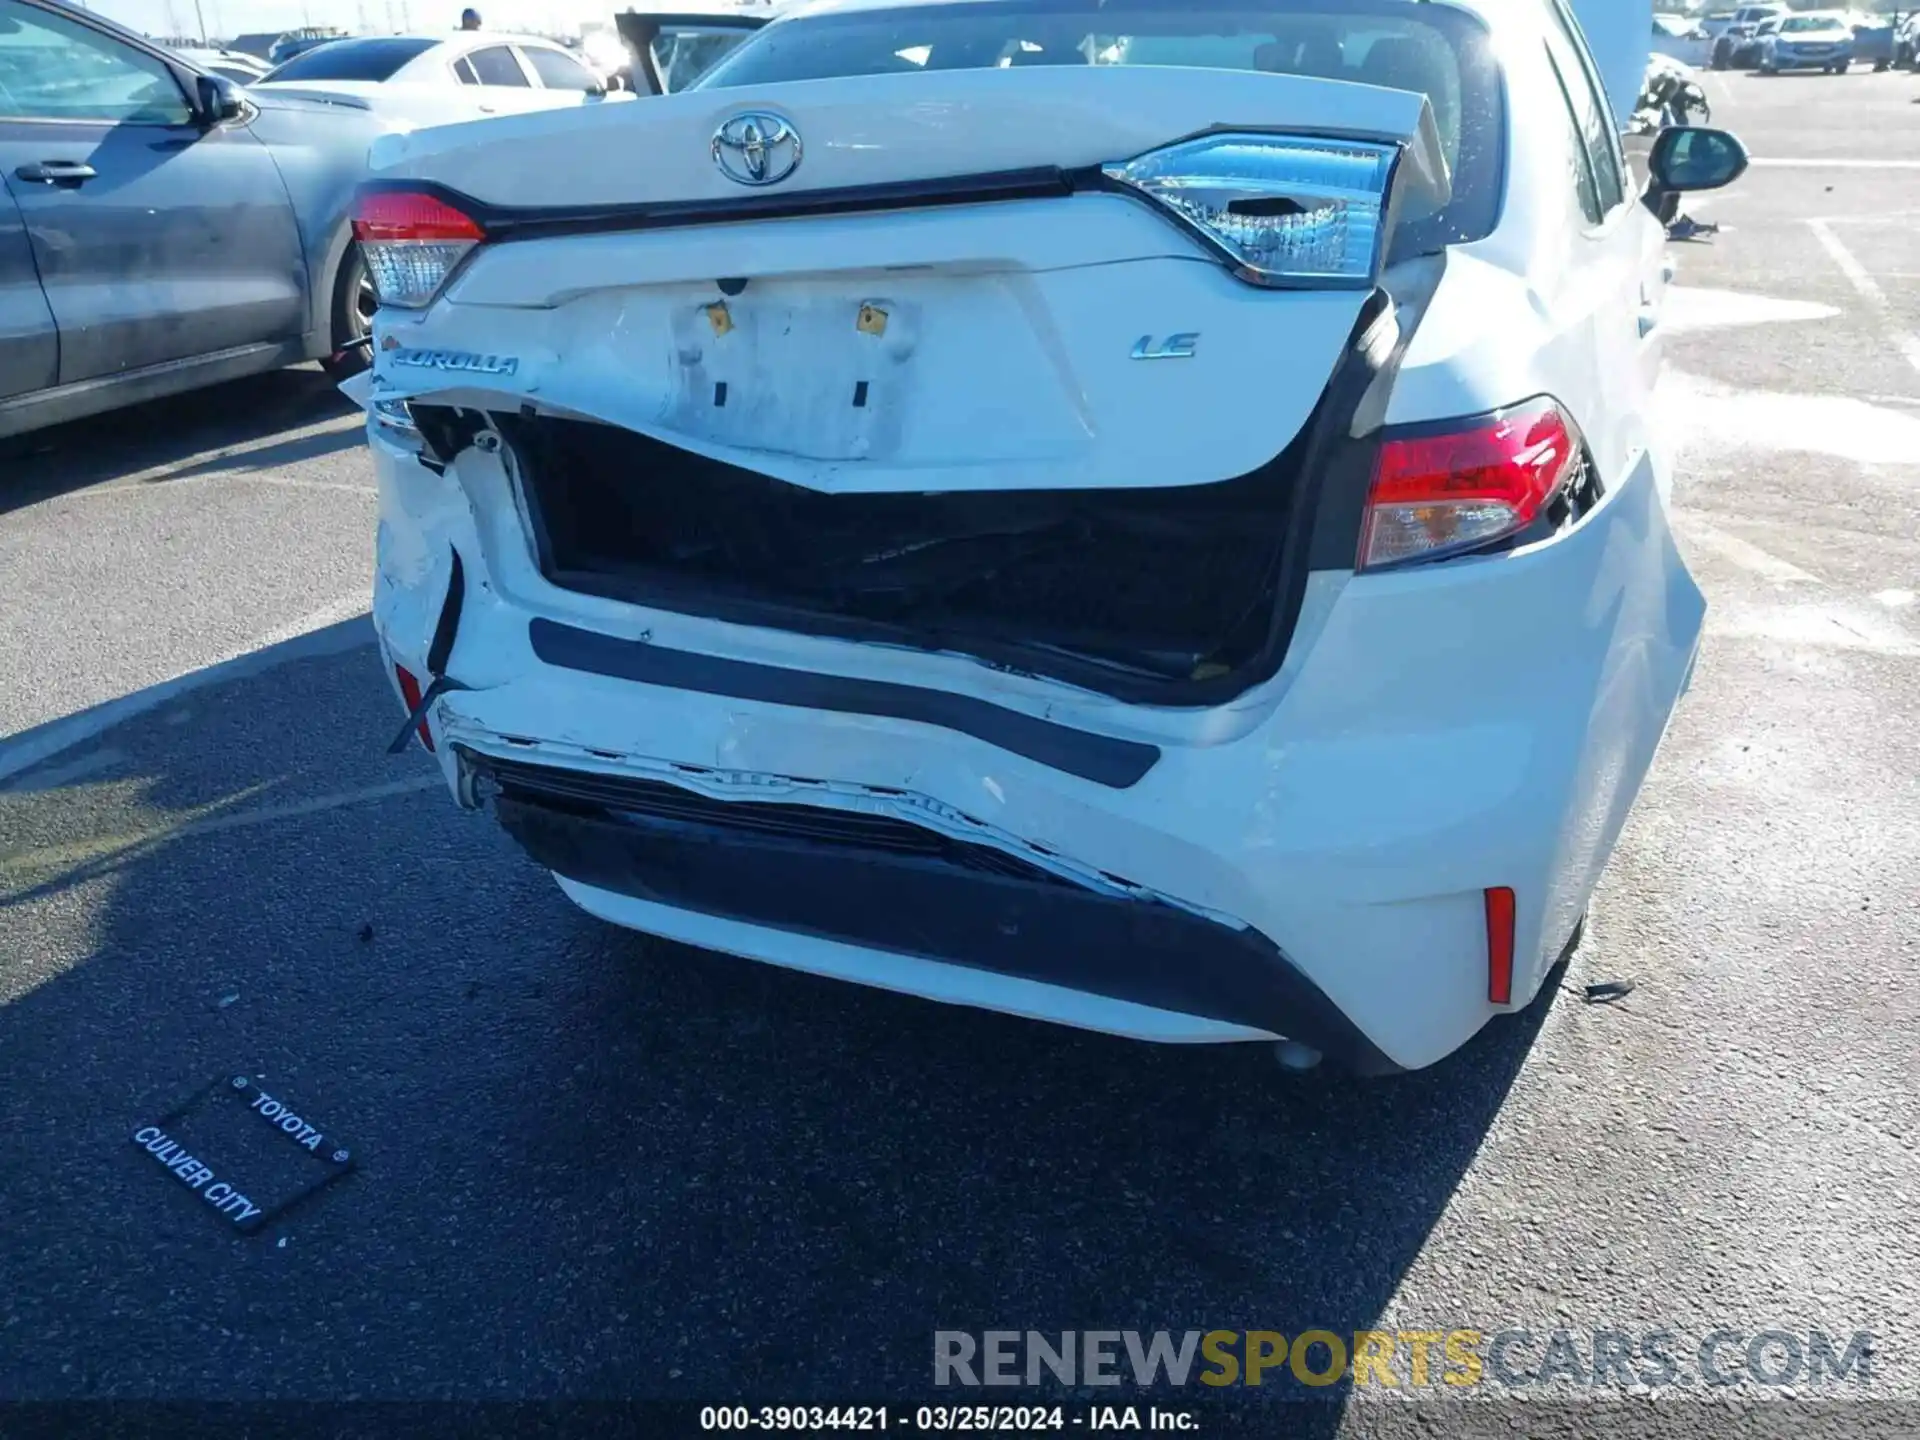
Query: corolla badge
x,y
460,360
756,148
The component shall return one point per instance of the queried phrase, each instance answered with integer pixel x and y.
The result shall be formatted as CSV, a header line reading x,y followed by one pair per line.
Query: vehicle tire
x,y
353,307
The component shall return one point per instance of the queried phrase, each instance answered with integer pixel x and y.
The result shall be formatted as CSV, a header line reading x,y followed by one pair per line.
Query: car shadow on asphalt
x,y
592,1164
163,435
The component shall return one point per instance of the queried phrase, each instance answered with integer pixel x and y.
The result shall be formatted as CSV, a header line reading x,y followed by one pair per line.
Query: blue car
x,y
1811,40
1873,42
160,227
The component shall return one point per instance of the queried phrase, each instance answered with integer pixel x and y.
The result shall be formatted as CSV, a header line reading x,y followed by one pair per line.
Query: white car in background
x,y
1683,39
421,80
234,65
1143,515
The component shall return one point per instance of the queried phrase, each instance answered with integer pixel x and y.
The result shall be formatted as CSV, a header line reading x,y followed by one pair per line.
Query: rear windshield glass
x,y
1801,23
1400,44
352,60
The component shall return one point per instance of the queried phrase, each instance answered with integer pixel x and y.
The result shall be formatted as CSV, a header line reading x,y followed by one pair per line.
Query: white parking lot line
x,y
110,849
345,607
1783,163
1869,288
160,482
29,747
1815,626
1747,556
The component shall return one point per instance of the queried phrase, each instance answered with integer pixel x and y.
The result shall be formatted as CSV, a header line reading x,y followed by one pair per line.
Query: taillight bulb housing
x,y
412,242
1286,210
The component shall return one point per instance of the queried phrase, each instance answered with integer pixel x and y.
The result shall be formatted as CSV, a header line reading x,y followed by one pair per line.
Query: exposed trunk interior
x,y
1139,592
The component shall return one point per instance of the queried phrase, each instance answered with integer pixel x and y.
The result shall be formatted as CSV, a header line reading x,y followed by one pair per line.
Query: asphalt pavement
x,y
590,1165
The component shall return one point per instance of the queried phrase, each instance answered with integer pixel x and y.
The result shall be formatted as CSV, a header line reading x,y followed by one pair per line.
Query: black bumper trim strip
x,y
1102,759
1113,946
504,223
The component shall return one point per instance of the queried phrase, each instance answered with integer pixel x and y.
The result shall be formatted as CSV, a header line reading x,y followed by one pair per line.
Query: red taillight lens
x,y
411,242
409,215
1440,493
410,692
1499,945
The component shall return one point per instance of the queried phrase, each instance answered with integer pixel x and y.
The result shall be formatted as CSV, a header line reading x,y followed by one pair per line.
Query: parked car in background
x,y
1872,39
257,43
1738,46
1906,42
414,80
160,228
1682,39
602,52
300,42
1716,24
234,65
664,53
1810,40
1282,661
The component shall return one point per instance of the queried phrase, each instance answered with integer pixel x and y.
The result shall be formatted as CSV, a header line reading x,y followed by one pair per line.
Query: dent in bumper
x,y
1481,723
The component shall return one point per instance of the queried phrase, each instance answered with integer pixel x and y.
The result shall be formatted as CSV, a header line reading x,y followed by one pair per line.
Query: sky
x,y
227,18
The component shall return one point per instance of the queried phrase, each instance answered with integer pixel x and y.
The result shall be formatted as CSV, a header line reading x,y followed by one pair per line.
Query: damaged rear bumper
x,y
1308,862
877,884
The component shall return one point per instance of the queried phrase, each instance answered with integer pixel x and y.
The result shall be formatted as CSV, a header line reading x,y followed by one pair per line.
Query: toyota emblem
x,y
756,148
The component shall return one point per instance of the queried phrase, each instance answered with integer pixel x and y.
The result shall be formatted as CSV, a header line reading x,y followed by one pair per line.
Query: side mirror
x,y
219,99
1690,157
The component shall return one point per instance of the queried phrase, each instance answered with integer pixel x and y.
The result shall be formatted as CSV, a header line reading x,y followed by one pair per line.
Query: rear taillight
x,y
1286,210
411,242
1441,492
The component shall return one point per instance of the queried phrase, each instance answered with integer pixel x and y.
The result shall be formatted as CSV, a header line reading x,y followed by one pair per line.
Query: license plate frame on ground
x,y
247,1153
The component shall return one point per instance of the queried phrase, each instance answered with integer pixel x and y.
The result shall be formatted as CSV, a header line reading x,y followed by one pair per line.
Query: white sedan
x,y
421,80
1141,516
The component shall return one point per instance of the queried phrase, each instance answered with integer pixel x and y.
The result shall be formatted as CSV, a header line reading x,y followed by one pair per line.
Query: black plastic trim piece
x,y
1102,759
448,625
1339,465
1137,950
504,224
439,652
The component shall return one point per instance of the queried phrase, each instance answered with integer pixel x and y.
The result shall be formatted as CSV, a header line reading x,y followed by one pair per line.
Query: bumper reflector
x,y
410,692
1500,945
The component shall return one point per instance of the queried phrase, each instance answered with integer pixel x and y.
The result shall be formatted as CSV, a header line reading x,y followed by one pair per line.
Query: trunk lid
x,y
940,386
350,94
944,251
862,132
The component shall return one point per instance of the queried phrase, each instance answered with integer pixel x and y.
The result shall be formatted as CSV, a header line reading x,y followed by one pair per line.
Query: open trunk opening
x,y
1144,593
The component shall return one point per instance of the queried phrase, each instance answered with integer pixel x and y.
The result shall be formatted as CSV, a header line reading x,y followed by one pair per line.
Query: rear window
x,y
352,60
557,71
1798,24
1400,44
